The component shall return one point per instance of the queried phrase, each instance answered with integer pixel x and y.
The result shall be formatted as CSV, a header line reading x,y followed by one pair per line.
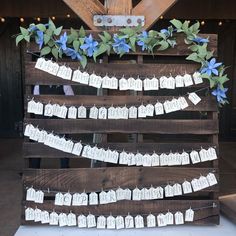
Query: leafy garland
x,y
79,47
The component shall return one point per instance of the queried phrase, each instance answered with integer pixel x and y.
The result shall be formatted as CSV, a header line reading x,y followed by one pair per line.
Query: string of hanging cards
x,y
159,219
118,156
111,82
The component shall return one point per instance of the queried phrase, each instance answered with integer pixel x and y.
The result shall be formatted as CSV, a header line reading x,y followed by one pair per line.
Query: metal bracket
x,y
118,20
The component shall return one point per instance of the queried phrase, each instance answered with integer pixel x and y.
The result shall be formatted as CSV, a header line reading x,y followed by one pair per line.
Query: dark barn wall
x,y
10,80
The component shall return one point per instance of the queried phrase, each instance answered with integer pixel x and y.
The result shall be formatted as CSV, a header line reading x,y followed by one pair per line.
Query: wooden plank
x,y
228,206
201,217
36,150
152,10
207,104
62,126
180,50
86,9
78,180
118,7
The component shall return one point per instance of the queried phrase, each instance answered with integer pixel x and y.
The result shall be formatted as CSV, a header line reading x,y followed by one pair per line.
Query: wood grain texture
x,y
86,9
152,10
207,103
118,7
63,126
201,217
180,50
95,179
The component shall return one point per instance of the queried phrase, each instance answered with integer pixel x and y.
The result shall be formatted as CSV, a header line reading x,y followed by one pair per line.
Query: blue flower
x,y
120,46
39,38
90,46
62,42
200,40
166,32
73,54
210,67
142,38
220,94
32,28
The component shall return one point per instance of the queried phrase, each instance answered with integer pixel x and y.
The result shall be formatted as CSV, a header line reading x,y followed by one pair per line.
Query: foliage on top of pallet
x,y
80,46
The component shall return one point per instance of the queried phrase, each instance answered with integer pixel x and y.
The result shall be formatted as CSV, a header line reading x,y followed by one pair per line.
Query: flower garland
x,y
80,46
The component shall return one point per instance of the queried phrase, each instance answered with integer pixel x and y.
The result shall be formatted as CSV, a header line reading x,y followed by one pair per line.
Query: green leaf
x,y
51,24
46,50
107,36
101,50
193,48
24,31
132,42
76,45
58,30
55,52
104,40
27,38
83,62
41,27
178,24
127,31
19,38
164,45
185,25
49,32
82,32
193,57
51,43
46,38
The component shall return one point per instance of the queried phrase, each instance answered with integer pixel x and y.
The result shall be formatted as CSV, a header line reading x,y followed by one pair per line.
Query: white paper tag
x,y
138,86
142,112
163,81
114,83
59,199
93,198
48,110
139,222
196,185
136,194
84,79
82,221
120,224
101,222
186,187
197,78
189,215
185,158
151,221
111,195
169,191
129,222
147,84
179,218
63,221
131,83
106,81
182,103
95,81
169,218
31,106
187,80
39,196
82,112
170,83
211,179
102,113
77,148
29,214
111,113
67,199
194,155
72,112
161,220
103,197
30,194
177,189
71,219
159,109
212,153
39,63
149,110
64,72
28,130
44,217
91,221
164,159
111,222
93,114
53,218
77,76
203,182
133,112
194,98
123,84
120,194
37,215
128,194
179,81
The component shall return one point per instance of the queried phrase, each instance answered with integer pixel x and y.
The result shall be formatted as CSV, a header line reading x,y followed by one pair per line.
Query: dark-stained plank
x,y
95,179
63,126
207,215
228,206
207,104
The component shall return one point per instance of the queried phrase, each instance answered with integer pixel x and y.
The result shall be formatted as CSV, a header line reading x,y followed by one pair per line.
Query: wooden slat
x,y
201,217
152,10
36,150
63,126
207,104
118,7
94,179
86,9
180,50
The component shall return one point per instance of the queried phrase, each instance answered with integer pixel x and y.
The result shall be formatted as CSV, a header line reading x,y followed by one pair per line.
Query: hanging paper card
x,y
82,113
170,83
67,199
93,198
103,198
53,218
196,185
169,191
82,221
159,110
149,110
101,222
138,85
91,221
194,98
131,83
187,80
169,218
39,63
72,112
186,187
212,153
161,220
211,179
189,215
59,199
177,189
139,222
194,155
111,222
30,194
179,81
182,102
151,221
64,72
136,194
139,159
84,79
147,84
185,158
71,219
77,76
39,196
142,112
29,214
93,114
63,221
112,196
114,83
129,222
106,81
203,182
133,112
179,218
44,217
31,107
120,222
163,81
128,194
37,215
197,78
123,84
102,113
120,194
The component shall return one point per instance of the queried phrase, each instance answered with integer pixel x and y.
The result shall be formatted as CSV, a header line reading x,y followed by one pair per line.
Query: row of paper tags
x,y
111,196
112,112
113,156
108,222
107,82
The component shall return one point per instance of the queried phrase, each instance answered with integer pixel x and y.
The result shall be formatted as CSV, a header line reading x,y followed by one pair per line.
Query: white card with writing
x,y
203,182
71,219
147,85
150,110
77,76
189,215
163,159
123,84
48,110
169,218
128,194
39,63
136,194
84,78
211,179
163,80
63,221
159,109
93,198
72,112
185,160
67,199
161,220
120,194
53,218
114,83
139,222
37,215
170,83
30,194
77,148
169,191
120,224
82,112
179,218
142,112
103,197
131,83
111,195
138,86
196,185
182,103
111,222
101,222
82,221
194,98
133,112
197,78
151,221
64,72
44,217
194,155
106,82
91,221
29,214
102,113
129,222
93,113
179,81
187,80
187,188
59,199
177,189
212,153
39,196
95,81
31,106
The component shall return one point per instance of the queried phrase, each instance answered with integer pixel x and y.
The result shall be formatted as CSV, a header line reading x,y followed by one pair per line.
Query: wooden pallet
x,y
193,128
